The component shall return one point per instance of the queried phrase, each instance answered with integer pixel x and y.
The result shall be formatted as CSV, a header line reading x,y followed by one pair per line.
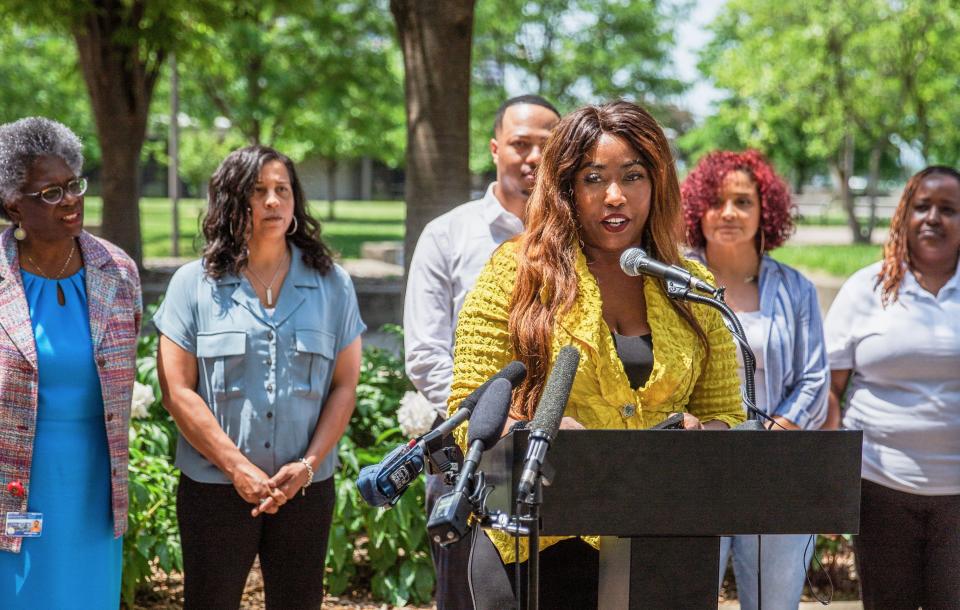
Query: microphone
x,y
383,483
449,521
546,419
635,261
514,372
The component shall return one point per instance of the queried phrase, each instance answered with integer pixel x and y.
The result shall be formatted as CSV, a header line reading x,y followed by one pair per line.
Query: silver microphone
x,y
635,261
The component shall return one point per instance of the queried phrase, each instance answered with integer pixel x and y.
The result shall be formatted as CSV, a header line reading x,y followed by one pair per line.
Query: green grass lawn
x,y
355,222
839,261
359,221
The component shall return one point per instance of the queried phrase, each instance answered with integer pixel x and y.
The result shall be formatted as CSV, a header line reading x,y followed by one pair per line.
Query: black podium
x,y
662,498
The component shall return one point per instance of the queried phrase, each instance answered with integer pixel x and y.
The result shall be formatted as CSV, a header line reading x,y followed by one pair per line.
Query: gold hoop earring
x,y
295,226
19,233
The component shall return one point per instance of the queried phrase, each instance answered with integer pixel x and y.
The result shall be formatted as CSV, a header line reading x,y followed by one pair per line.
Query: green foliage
x,y
801,76
38,68
386,547
251,72
152,538
551,48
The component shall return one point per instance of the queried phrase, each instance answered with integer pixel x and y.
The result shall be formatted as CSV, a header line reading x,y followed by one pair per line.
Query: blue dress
x,y
76,562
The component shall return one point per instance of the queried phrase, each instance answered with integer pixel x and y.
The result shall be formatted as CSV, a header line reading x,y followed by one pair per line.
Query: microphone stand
x,y
532,521
680,291
677,290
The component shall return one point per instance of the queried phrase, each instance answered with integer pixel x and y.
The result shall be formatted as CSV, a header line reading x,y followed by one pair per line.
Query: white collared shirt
x,y
449,256
905,380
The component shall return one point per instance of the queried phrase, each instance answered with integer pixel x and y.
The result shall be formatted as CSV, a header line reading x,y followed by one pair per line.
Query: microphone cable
x,y
824,601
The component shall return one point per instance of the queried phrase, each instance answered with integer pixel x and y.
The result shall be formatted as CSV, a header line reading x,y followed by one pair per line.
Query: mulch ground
x,y
167,594
837,575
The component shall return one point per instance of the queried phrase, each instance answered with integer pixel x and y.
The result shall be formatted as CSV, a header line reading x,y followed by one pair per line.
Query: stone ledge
x,y
379,286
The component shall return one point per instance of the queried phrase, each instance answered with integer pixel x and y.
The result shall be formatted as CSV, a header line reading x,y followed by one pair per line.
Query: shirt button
x,y
628,410
269,414
267,444
268,362
109,416
101,362
269,387
270,335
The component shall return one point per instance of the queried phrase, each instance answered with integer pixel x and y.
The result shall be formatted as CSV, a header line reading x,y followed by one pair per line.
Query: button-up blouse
x,y
265,376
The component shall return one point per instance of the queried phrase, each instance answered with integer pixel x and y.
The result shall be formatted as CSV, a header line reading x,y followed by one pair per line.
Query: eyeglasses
x,y
54,194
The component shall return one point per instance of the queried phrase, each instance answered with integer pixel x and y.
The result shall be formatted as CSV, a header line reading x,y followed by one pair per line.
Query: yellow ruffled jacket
x,y
601,398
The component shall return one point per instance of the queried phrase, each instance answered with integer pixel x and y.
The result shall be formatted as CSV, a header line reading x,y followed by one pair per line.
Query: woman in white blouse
x,y
893,339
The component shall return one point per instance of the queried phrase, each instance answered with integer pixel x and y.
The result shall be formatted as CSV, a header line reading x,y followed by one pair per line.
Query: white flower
x,y
142,399
415,415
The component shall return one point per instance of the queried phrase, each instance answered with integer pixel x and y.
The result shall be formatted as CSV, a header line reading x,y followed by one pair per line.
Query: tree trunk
x,y
436,43
873,179
331,188
120,83
844,170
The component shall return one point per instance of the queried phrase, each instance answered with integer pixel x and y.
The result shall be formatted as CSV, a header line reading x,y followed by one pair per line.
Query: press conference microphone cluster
x,y
546,419
384,483
450,519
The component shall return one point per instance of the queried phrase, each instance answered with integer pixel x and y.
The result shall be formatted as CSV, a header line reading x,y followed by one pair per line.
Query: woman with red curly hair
x,y
894,347
736,210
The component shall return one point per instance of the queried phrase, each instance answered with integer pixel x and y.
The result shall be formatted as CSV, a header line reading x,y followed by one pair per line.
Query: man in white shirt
x,y
449,256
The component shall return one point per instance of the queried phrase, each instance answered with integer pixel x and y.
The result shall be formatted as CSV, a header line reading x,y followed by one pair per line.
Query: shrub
x,y
385,550
152,537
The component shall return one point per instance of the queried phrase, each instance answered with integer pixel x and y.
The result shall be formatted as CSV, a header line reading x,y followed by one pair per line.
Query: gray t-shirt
x,y
265,377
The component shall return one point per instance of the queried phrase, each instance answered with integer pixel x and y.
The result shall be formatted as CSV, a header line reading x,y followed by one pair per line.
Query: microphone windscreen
x,y
488,418
514,372
367,486
556,392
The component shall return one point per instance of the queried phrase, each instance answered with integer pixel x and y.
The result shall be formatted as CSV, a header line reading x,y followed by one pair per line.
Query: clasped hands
x,y
268,494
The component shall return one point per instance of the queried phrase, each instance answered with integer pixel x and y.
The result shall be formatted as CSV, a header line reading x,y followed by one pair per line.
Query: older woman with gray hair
x,y
70,309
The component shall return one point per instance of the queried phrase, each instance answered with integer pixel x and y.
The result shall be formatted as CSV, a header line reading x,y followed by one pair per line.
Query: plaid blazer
x,y
115,307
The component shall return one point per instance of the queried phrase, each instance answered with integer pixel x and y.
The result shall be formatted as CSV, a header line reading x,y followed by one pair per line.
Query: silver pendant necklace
x,y
268,287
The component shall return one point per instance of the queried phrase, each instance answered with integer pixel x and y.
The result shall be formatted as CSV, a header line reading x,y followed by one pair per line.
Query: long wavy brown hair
x,y
228,220
896,252
546,285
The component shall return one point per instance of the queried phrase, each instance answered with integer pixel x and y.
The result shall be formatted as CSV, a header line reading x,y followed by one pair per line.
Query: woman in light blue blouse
x,y
259,360
736,210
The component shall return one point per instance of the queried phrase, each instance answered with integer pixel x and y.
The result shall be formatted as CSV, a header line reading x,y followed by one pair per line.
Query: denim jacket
x,y
796,372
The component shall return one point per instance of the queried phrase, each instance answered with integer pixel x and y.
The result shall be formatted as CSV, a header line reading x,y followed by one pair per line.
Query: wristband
x,y
306,464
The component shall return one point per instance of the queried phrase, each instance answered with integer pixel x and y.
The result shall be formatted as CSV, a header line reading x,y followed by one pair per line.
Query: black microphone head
x,y
514,372
629,259
556,392
488,418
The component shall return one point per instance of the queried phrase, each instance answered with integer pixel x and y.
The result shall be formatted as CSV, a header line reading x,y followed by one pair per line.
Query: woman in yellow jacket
x,y
606,183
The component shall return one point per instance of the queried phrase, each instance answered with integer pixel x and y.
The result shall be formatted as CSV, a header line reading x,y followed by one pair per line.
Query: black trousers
x,y
220,541
569,576
908,550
